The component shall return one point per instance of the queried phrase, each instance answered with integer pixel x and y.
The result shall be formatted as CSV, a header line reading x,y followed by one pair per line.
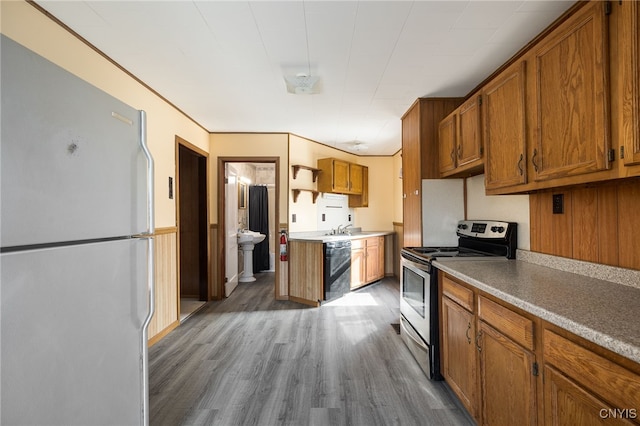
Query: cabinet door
x,y
508,386
355,178
358,267
459,354
631,83
411,179
340,176
373,260
572,97
469,136
505,129
361,200
567,403
447,143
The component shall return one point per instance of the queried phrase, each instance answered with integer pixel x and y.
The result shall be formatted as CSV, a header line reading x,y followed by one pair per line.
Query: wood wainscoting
x,y
598,224
165,317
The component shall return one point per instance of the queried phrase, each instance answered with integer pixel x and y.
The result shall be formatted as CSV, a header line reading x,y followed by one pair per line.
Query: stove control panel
x,y
483,228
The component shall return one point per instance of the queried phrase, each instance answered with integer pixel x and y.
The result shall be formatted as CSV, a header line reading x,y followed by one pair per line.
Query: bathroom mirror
x,y
242,195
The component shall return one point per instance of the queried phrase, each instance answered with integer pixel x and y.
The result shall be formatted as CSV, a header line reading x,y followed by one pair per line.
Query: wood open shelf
x,y
296,168
296,193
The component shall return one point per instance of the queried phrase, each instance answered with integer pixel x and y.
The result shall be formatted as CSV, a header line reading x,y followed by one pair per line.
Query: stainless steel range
x,y
419,322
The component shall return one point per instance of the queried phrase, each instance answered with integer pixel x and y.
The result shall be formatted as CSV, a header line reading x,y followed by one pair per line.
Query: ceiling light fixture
x,y
355,146
302,84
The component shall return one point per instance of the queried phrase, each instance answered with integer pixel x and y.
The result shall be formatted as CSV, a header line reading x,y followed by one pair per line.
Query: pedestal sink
x,y
247,241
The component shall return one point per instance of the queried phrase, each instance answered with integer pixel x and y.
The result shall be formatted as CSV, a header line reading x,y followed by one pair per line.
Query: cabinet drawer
x,y
511,324
458,293
373,242
612,382
358,244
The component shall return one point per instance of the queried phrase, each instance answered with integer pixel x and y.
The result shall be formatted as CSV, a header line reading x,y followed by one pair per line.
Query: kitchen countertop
x,y
603,312
323,238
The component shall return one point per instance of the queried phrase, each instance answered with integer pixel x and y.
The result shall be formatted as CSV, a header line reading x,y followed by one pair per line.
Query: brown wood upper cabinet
x,y
460,139
570,99
546,117
420,159
631,83
340,177
504,124
361,200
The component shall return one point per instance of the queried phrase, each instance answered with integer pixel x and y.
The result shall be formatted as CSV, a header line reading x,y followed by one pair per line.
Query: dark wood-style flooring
x,y
252,360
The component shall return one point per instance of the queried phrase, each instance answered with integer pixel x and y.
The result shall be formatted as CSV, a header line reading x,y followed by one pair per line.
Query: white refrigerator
x,y
76,270
442,208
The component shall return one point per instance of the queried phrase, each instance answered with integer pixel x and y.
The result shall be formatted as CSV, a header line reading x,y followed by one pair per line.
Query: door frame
x,y
179,142
222,162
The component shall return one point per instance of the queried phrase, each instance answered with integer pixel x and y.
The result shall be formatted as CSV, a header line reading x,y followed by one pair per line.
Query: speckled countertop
x,y
604,312
322,237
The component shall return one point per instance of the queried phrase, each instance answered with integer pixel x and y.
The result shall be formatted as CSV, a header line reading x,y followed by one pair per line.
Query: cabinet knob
x,y
417,192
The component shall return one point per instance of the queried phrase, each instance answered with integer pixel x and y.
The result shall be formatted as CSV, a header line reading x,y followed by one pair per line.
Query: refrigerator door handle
x,y
150,173
150,268
145,328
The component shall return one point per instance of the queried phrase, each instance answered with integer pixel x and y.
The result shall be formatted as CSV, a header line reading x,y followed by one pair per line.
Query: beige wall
x,y
512,208
249,145
397,187
379,216
29,27
306,152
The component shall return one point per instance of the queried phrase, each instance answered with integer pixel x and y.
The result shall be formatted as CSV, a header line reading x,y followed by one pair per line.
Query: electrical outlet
x,y
293,218
558,203
170,188
324,217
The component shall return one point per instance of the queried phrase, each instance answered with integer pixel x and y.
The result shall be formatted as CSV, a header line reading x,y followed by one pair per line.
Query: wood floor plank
x,y
252,360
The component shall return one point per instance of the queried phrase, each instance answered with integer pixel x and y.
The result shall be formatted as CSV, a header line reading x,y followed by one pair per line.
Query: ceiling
x,y
223,62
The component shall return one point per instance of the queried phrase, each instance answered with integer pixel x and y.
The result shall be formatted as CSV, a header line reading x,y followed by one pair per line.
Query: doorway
x,y
233,215
193,227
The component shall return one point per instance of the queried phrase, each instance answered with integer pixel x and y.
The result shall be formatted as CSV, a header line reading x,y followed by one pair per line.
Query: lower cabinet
x,y
487,357
584,385
490,352
459,354
508,382
367,261
567,403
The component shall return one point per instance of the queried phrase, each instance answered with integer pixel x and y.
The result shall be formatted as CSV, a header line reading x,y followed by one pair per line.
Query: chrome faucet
x,y
343,230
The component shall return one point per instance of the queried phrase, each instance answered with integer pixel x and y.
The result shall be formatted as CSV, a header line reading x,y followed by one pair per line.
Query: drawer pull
x,y
467,333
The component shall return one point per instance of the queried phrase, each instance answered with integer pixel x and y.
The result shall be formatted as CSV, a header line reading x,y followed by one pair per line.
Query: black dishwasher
x,y
337,268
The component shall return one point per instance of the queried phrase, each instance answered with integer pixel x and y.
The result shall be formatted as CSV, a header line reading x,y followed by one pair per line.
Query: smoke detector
x,y
302,84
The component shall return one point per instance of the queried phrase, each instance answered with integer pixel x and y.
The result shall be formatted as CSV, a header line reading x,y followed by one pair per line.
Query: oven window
x,y
413,290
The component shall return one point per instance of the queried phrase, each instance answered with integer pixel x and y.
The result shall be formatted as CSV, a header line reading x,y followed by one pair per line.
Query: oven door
x,y
419,319
416,294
